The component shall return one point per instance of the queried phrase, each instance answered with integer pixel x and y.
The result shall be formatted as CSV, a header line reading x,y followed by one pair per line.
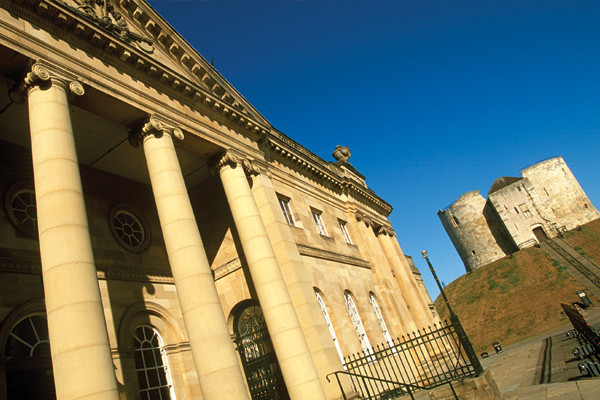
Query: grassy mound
x,y
520,295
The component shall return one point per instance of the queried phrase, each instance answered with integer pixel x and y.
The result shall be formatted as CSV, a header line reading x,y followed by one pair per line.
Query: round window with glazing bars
x,y
129,228
21,209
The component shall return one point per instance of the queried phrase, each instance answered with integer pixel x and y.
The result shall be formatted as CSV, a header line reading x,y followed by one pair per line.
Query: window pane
x,y
151,364
358,325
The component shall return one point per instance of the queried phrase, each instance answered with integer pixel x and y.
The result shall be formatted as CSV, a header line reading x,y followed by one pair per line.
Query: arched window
x,y
358,325
330,326
151,365
382,324
28,373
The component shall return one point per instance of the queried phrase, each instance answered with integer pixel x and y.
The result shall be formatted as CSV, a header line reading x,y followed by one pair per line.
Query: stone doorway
x,y
540,234
261,367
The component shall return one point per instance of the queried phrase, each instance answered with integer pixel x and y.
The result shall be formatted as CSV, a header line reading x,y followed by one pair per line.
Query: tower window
x,y
456,220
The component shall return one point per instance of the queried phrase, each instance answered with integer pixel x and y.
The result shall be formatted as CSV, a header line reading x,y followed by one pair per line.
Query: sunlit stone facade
x,y
159,237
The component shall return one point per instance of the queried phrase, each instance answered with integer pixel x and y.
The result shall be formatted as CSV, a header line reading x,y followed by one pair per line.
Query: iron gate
x,y
258,357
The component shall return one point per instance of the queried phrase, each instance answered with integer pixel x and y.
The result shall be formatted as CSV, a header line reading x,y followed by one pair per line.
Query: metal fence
x,y
423,360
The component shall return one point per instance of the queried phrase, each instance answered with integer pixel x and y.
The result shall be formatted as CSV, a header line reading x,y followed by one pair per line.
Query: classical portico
x,y
147,204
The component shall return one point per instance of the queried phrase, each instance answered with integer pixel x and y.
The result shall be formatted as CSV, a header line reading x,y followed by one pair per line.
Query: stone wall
x,y
560,197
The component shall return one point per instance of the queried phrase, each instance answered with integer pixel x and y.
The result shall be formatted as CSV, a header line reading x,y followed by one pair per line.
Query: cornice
x,y
210,91
331,256
324,172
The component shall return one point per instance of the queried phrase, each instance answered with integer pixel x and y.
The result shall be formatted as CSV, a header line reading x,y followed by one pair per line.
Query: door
x,y
263,374
540,235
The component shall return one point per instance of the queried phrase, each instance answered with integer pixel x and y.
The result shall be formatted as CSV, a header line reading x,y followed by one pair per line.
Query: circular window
x,y
128,228
21,208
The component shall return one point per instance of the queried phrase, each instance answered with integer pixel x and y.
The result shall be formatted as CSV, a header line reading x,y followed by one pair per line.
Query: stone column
x,y
301,290
212,350
383,275
418,309
290,345
81,356
421,290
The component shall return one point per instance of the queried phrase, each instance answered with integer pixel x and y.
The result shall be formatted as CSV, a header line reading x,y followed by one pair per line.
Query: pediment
x,y
131,32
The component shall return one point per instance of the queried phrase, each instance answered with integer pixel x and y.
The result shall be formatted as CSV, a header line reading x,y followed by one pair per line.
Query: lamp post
x,y
460,332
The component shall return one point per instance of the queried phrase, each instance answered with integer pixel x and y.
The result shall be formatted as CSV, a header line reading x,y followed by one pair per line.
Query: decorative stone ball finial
x,y
341,153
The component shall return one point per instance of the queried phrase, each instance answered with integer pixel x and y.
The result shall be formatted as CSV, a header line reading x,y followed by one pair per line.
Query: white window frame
x,y
143,386
345,232
382,325
286,208
330,327
365,344
318,218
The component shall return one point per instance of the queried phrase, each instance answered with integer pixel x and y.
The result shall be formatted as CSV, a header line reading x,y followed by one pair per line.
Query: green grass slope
x,y
520,295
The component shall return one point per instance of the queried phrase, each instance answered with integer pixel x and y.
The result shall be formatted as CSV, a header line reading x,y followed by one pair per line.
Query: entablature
x,y
323,172
131,52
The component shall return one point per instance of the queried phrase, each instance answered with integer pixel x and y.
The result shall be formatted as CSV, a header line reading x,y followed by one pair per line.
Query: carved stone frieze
x,y
43,73
226,269
105,15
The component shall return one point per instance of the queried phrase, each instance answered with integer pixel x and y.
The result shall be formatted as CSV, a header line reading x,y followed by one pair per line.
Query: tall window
x,y
345,232
319,222
151,365
330,326
287,211
358,325
382,325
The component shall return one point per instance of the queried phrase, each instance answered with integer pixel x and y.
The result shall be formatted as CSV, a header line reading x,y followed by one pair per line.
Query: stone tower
x,y
519,212
469,230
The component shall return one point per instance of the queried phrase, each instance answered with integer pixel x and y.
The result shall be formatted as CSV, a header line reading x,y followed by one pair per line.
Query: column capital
x,y
157,125
362,217
385,230
234,158
43,73
229,157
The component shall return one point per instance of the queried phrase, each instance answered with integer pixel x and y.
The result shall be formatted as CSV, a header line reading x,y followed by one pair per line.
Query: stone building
x,y
518,213
159,238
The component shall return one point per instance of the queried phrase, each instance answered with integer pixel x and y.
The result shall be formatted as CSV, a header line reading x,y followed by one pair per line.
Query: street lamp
x,y
460,332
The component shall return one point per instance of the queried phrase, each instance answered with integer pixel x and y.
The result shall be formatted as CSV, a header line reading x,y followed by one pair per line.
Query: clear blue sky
x,y
434,98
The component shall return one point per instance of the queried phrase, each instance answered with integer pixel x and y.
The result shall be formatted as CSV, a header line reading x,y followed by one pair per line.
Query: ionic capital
x,y
385,230
156,126
362,217
229,158
43,73
253,168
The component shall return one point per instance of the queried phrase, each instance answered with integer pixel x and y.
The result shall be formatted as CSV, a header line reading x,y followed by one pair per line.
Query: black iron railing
x,y
581,325
424,360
